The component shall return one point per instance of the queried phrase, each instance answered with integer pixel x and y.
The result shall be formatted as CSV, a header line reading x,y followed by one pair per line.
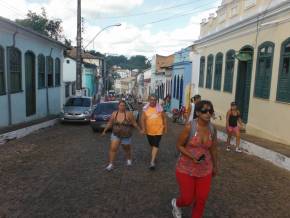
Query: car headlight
x,y
87,112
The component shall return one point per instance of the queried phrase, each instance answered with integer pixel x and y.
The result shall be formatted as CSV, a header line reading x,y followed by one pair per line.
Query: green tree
x,y
139,62
40,23
96,53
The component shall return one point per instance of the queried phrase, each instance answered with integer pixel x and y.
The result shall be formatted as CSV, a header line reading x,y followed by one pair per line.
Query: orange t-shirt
x,y
154,121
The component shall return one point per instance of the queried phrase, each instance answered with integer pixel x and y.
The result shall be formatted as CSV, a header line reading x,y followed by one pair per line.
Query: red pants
x,y
193,190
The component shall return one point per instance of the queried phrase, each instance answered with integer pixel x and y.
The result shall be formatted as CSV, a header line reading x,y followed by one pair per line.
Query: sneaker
x,y
152,166
176,211
238,150
110,167
228,148
129,163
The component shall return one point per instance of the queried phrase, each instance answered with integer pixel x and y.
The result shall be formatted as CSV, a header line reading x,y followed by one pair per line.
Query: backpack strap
x,y
212,130
194,129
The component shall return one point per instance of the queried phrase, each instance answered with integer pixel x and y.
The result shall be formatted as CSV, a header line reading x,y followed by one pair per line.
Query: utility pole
x,y
79,47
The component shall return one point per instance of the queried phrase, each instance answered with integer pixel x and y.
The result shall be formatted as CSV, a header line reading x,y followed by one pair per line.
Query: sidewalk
x,y
265,143
26,124
275,152
22,129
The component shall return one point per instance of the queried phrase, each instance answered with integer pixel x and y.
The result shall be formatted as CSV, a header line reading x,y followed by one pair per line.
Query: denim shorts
x,y
123,141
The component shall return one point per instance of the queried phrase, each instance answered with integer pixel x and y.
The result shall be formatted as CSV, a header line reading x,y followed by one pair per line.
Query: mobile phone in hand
x,y
201,158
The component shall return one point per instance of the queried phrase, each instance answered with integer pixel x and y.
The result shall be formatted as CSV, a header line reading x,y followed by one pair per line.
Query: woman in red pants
x,y
197,162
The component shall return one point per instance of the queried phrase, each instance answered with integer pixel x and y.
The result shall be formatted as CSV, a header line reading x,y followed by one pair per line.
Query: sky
x,y
148,27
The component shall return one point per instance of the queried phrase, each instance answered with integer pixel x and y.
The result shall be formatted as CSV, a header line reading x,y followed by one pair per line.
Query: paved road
x,y
58,172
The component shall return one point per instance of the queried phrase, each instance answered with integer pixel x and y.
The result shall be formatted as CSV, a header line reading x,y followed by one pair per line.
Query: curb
x,y
250,148
4,138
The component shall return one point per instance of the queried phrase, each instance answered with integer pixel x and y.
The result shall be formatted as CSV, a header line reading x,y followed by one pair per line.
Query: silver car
x,y
77,109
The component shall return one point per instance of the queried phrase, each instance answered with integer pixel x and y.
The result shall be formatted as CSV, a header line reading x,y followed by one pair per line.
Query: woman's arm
x,y
182,139
213,152
110,123
143,122
240,119
227,119
133,121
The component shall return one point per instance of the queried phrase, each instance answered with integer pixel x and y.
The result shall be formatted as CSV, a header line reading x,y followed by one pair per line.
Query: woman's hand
x,y
142,131
104,133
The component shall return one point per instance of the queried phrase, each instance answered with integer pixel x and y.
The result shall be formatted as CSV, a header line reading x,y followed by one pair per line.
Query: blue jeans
x,y
123,141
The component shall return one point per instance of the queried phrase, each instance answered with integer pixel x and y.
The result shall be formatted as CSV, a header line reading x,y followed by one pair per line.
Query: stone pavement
x,y
59,172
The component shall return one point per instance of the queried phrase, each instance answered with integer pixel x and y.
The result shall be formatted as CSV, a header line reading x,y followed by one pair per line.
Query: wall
x,y
267,118
89,81
29,42
69,70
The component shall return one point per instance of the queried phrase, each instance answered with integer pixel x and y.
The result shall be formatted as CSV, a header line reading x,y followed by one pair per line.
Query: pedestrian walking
x,y
122,123
233,125
153,121
197,162
191,111
166,104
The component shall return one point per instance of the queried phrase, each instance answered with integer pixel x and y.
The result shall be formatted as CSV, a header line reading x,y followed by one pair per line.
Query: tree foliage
x,y
40,23
139,62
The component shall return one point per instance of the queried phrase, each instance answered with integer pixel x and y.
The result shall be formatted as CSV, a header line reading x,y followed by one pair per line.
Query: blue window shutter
x,y
229,71
201,72
209,72
283,88
264,70
218,71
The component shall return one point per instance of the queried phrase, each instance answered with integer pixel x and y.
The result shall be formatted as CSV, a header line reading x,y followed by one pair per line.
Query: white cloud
x,y
127,39
94,8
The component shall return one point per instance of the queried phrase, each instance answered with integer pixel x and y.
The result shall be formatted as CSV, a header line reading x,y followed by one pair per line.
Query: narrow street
x,y
59,172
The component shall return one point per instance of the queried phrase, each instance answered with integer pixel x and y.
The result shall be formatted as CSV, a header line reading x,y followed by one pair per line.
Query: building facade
x,y
161,76
244,55
182,78
147,82
31,67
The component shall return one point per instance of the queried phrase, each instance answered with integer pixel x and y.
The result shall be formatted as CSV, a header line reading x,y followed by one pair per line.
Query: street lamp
x,y
118,24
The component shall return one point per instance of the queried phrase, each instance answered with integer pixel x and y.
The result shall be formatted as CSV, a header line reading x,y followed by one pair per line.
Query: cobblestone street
x,y
59,172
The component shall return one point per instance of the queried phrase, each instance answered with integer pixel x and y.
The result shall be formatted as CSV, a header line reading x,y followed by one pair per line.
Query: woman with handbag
x,y
122,123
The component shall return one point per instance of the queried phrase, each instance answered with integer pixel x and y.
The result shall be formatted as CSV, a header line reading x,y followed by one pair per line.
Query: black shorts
x,y
154,140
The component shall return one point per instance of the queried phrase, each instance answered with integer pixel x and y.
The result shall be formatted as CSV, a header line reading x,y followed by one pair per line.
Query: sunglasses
x,y
204,111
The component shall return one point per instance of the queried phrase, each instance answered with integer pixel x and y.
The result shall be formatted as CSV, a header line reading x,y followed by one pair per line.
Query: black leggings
x,y
154,140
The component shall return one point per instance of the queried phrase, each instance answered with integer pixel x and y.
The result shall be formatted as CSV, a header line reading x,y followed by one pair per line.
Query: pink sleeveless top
x,y
188,166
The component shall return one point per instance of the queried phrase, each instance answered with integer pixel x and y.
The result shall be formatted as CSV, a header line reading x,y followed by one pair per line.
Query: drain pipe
x,y
9,78
47,97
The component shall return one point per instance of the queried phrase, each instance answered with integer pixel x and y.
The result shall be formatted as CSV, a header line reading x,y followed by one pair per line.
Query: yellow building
x,y
245,57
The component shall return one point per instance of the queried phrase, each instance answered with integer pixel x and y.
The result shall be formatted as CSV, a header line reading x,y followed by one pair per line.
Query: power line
x,y
152,11
178,15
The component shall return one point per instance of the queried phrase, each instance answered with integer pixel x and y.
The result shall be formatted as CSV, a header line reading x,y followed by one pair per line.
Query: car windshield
x,y
107,108
78,102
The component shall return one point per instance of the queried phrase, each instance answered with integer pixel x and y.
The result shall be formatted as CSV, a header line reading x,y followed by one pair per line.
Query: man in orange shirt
x,y
154,125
